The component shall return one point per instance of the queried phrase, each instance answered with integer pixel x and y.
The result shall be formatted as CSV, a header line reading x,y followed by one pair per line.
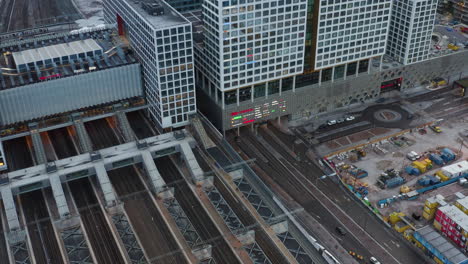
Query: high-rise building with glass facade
x,y
411,30
247,43
162,41
349,31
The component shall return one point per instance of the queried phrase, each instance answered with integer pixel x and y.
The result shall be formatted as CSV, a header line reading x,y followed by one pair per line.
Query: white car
x,y
374,260
350,118
331,122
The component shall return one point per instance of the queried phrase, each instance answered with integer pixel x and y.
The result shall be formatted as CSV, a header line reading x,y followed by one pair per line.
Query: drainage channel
x,y
75,245
125,231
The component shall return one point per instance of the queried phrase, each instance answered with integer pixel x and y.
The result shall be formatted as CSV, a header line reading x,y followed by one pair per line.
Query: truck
x,y
413,156
436,159
464,30
447,155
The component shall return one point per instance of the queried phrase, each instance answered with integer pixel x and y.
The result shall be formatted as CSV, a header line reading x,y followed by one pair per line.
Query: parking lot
x,y
391,153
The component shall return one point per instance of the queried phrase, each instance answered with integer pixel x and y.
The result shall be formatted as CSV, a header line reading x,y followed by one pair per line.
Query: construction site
x,y
410,177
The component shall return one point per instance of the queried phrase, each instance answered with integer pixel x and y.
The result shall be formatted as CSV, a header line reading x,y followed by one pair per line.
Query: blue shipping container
x,y
394,182
436,159
424,181
409,170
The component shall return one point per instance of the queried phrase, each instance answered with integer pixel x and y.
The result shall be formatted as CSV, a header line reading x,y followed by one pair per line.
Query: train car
x,y
3,165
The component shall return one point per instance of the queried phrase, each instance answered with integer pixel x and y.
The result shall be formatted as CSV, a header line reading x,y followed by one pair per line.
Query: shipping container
x,y
420,166
394,182
442,176
424,181
456,170
436,159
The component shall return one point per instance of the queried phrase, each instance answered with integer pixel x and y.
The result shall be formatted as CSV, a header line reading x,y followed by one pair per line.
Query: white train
x,y
326,255
3,165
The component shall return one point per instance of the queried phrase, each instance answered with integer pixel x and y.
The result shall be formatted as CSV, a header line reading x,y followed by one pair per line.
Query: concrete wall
x,y
70,93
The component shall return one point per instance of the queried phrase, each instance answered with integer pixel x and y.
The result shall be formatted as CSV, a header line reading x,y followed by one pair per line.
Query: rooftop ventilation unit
x,y
154,9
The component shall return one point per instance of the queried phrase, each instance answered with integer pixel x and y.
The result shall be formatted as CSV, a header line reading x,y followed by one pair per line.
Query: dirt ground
x,y
395,157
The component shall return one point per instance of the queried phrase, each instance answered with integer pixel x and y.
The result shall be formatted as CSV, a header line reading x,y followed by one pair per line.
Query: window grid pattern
x,y
253,41
351,30
411,29
166,56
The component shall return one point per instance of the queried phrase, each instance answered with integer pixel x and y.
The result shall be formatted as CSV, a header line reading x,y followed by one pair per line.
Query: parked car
x,y
373,260
341,230
350,118
410,116
437,47
340,120
331,122
322,126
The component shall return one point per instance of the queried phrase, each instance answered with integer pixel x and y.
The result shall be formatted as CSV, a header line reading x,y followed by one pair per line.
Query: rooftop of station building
x,y
66,55
158,13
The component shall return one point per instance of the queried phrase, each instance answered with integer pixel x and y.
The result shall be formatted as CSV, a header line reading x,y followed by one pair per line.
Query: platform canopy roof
x,y
56,51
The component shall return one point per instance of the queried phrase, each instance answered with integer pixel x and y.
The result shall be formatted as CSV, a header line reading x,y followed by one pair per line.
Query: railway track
x,y
4,258
23,14
365,225
44,242
17,154
140,125
101,134
99,234
62,143
158,243
221,252
277,168
261,238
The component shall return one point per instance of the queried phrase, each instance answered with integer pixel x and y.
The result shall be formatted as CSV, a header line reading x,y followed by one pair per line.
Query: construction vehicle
x,y
438,81
405,189
453,47
361,152
436,129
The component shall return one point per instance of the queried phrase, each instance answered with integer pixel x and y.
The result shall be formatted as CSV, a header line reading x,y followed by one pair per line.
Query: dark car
x,y
410,116
341,230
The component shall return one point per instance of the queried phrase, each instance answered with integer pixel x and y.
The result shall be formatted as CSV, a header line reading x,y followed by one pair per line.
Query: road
x,y
300,179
